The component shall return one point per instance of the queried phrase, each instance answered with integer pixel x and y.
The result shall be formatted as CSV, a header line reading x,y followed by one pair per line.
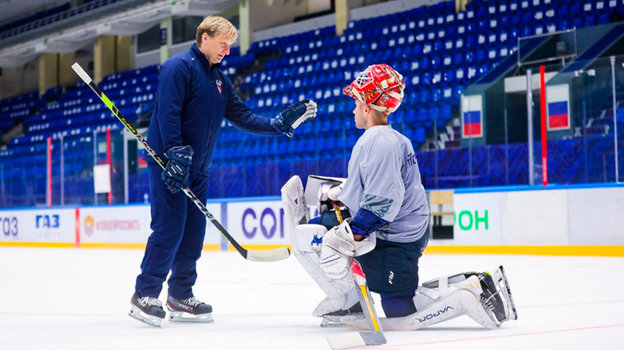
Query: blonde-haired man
x,y
192,99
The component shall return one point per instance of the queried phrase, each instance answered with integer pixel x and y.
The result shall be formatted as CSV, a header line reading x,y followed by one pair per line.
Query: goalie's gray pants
x,y
391,270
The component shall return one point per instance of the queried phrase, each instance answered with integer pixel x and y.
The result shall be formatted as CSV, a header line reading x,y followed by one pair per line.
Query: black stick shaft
x,y
198,203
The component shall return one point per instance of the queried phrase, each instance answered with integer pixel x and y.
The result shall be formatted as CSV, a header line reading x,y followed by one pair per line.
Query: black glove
x,y
177,171
295,114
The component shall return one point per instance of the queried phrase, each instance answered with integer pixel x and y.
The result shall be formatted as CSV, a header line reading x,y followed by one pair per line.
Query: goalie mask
x,y
379,86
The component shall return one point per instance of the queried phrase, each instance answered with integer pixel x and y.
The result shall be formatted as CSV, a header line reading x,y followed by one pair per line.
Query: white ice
x,y
79,299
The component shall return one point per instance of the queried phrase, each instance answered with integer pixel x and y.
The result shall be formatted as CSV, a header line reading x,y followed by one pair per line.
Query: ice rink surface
x,y
79,299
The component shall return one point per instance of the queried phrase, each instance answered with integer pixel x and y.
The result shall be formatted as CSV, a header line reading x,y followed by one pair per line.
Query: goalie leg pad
x,y
295,208
341,293
307,238
453,296
459,299
493,293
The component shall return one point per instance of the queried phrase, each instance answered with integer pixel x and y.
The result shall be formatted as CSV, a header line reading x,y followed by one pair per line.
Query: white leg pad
x,y
458,299
295,208
340,293
498,288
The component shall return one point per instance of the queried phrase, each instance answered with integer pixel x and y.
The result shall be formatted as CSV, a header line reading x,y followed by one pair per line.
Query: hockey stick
x,y
252,255
373,337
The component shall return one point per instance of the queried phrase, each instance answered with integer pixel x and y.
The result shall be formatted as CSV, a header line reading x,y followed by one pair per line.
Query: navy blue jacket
x,y
191,101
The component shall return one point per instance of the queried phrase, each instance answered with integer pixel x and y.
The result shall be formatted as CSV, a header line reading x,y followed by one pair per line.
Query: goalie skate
x,y
188,310
504,292
338,318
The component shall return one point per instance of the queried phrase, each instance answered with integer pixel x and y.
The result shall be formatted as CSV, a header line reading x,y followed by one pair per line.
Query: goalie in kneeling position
x,y
388,230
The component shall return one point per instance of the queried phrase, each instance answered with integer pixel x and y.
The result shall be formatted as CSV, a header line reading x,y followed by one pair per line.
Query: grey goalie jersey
x,y
384,178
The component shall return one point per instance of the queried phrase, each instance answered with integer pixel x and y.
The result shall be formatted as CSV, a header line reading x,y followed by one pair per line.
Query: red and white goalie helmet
x,y
379,86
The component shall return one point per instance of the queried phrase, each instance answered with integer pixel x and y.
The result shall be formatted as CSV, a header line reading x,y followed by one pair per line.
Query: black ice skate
x,y
496,296
337,318
147,309
490,297
188,310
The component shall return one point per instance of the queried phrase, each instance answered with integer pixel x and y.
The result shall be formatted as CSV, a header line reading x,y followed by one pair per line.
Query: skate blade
x,y
178,316
340,321
500,278
331,323
153,321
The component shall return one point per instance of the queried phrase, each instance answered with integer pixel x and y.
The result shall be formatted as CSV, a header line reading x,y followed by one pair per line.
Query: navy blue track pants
x,y
176,242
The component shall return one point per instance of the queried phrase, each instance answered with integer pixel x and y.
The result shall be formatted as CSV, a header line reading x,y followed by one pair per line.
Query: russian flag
x,y
558,115
472,124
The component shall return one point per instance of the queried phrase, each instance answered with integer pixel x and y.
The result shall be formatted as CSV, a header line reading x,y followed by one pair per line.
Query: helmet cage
x,y
378,86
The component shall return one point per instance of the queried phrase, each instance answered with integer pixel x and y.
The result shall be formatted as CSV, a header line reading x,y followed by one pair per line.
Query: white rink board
x,y
478,218
511,218
123,224
38,225
130,224
536,218
595,215
257,222
559,216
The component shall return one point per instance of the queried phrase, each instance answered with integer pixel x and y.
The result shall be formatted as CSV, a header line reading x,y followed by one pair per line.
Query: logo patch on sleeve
x,y
376,204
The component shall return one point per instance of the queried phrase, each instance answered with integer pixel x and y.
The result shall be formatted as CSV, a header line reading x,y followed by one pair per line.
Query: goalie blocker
x,y
485,298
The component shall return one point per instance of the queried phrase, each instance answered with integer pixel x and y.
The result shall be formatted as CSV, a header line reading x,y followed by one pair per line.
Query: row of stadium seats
x,y
39,15
440,52
429,90
405,39
47,17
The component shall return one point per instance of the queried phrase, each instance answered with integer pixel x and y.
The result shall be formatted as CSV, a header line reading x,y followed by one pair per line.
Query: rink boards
x,y
569,220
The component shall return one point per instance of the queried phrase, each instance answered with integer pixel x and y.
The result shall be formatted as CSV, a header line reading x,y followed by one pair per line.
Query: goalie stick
x,y
373,337
252,255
